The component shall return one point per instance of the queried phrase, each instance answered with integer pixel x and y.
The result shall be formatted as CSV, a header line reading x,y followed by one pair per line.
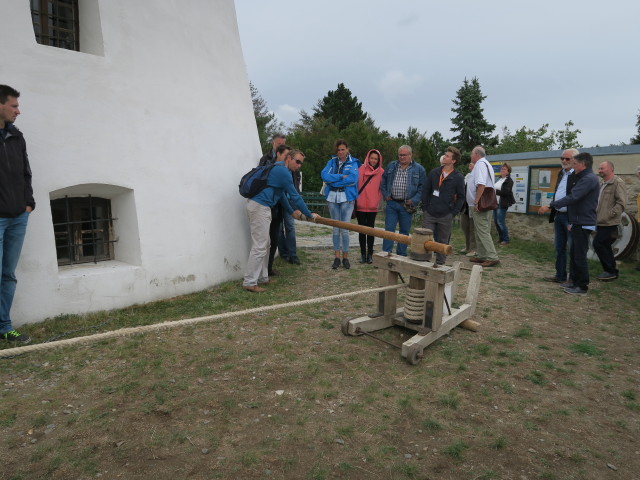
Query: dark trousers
x,y
274,232
368,219
579,263
605,236
561,237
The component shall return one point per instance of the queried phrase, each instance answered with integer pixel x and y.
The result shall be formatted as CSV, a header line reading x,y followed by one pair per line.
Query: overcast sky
x,y
537,62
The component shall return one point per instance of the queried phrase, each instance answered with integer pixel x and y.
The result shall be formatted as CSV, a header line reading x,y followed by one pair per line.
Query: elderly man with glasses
x,y
560,220
401,186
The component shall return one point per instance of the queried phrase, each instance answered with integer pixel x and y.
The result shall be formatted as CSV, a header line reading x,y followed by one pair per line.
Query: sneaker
x,y
472,254
336,263
575,291
13,336
568,284
607,277
345,263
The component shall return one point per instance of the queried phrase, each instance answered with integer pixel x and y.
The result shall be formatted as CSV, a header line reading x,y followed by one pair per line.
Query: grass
x,y
475,405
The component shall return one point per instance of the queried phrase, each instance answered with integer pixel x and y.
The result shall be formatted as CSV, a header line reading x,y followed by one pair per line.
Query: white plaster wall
x,y
165,112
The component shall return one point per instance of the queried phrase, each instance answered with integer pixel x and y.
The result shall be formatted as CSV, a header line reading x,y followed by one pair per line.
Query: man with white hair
x,y
560,220
481,178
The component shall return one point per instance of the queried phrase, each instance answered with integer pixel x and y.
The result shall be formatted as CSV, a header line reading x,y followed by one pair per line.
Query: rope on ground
x,y
187,321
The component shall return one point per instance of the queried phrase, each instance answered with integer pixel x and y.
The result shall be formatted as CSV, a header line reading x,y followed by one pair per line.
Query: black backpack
x,y
253,182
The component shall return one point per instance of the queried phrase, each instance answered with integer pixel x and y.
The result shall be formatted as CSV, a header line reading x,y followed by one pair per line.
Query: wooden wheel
x,y
415,354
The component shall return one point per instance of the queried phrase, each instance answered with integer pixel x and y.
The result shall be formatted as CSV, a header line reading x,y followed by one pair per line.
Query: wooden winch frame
x,y
439,317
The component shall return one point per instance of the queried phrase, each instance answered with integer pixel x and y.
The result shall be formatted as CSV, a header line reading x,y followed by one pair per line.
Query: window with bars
x,y
55,23
83,229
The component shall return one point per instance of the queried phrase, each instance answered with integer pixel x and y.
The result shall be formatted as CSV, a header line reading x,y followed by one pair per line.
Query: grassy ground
x,y
547,389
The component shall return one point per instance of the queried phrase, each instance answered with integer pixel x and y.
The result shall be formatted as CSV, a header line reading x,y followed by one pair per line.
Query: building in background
x,y
139,125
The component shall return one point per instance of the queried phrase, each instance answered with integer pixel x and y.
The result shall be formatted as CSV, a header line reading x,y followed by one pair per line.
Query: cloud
x,y
396,83
287,113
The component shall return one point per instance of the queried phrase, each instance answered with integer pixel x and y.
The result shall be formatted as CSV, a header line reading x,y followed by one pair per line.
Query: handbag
x,y
488,199
355,204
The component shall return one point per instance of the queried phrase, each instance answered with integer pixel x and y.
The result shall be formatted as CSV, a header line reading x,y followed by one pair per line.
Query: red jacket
x,y
370,197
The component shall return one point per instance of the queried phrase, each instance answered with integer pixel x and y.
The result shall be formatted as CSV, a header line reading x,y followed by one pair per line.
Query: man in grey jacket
x,y
611,204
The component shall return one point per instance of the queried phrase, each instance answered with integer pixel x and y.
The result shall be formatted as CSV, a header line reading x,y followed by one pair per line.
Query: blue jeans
x,y
287,237
12,231
500,219
341,211
396,214
561,238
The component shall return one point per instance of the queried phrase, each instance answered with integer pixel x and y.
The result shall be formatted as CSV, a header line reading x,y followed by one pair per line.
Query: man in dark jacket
x,y
16,203
442,198
276,212
582,200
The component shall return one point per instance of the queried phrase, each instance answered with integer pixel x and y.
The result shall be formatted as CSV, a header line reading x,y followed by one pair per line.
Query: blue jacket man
x,y
259,208
401,187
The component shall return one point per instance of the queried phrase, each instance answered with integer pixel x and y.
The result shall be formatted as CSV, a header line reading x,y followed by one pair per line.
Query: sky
x,y
537,62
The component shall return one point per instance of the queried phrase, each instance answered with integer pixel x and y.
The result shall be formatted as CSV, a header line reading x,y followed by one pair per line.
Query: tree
x,y
567,138
340,107
266,121
528,140
525,140
469,121
636,140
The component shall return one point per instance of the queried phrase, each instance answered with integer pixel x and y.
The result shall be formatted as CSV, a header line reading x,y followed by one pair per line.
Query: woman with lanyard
x,y
341,179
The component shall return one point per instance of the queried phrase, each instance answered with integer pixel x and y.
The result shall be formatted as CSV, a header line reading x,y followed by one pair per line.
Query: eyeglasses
x,y
565,158
403,154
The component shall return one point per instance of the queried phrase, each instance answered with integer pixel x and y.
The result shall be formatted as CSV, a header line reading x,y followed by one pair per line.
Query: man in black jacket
x,y
442,198
16,203
582,200
276,212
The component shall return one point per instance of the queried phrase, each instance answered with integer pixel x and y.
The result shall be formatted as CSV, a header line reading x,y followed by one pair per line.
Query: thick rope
x,y
187,321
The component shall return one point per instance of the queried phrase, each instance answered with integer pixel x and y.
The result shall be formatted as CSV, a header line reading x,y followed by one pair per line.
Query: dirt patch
x,y
547,389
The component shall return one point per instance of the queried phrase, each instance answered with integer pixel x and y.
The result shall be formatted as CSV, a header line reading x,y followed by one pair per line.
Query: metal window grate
x,y
83,229
55,23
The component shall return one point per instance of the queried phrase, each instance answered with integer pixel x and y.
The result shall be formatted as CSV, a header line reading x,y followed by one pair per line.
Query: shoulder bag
x,y
355,204
488,200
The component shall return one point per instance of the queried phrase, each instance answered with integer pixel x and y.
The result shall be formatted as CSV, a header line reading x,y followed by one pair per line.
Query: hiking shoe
x,y
345,263
607,277
13,336
575,291
336,263
554,280
294,260
568,284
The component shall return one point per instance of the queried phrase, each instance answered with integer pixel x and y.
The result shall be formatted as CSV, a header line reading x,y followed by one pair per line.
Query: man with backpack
x,y
259,207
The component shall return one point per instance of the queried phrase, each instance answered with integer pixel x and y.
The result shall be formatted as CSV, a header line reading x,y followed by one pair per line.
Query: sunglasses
x,y
299,162
565,158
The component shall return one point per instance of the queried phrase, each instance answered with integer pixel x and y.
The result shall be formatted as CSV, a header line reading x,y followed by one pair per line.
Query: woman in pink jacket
x,y
369,197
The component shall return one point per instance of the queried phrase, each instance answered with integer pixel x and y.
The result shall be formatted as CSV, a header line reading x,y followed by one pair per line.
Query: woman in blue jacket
x,y
341,190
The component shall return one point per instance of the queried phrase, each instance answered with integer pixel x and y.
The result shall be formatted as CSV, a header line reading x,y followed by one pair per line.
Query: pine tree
x,y
340,108
469,121
636,140
266,121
